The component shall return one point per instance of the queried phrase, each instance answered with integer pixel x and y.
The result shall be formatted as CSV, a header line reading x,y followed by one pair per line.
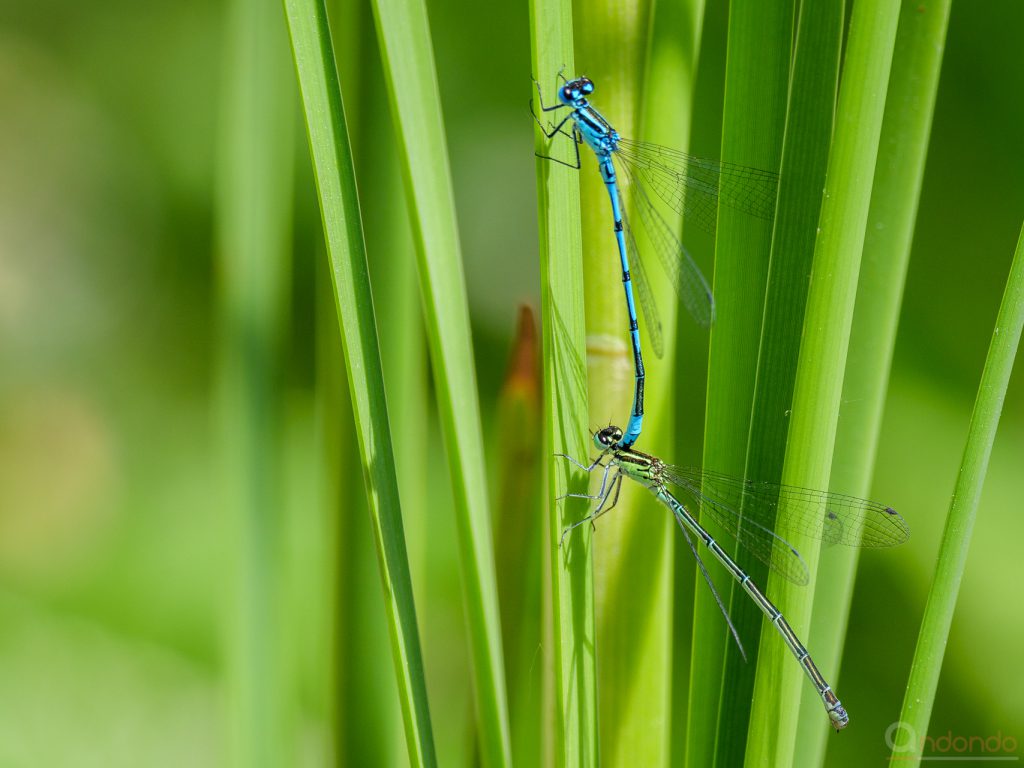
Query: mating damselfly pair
x,y
749,511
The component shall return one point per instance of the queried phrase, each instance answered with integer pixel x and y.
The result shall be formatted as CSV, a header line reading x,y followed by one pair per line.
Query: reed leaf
x,y
956,537
819,379
757,77
332,163
574,728
899,174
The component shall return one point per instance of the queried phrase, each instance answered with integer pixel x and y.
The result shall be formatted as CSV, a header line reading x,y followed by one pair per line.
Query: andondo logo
x,y
903,739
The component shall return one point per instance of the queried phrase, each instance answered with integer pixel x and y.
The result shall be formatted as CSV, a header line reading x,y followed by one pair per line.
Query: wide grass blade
x,y
808,135
956,537
574,736
636,545
666,110
407,54
819,379
332,162
899,172
756,82
633,550
254,226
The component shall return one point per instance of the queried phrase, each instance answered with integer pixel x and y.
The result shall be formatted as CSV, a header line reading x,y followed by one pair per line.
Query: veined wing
x,y
682,271
694,186
752,510
648,306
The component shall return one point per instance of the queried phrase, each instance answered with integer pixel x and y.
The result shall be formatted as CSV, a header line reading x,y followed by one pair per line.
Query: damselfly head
x,y
607,438
574,92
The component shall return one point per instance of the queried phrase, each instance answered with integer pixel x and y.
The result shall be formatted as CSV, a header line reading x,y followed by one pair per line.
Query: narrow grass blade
x,y
757,77
819,380
956,537
365,719
332,162
254,250
574,735
392,259
808,135
407,54
899,172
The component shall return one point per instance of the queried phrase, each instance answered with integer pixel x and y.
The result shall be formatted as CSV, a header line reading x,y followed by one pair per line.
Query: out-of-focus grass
x,y
518,538
254,233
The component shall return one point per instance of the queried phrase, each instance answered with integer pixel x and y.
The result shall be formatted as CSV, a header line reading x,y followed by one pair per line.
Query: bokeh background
x,y
115,540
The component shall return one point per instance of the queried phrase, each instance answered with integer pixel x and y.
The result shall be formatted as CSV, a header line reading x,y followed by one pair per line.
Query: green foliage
x,y
407,55
332,162
818,385
956,538
756,81
573,706
202,590
906,128
254,232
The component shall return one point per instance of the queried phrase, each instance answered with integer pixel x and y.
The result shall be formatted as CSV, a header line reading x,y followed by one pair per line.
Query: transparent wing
x,y
693,186
682,271
748,511
643,291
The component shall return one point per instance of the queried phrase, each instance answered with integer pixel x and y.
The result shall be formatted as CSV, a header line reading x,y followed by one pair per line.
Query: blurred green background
x,y
116,548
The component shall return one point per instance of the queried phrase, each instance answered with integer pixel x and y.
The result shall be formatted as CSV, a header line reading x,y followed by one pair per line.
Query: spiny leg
x,y
540,96
616,486
550,131
711,586
599,495
571,460
835,710
576,144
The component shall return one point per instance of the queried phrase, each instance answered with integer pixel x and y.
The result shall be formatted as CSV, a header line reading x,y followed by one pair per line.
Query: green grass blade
x,y
637,543
365,719
819,380
808,135
390,252
898,176
565,411
757,76
332,162
633,547
408,58
371,720
956,537
666,112
254,243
